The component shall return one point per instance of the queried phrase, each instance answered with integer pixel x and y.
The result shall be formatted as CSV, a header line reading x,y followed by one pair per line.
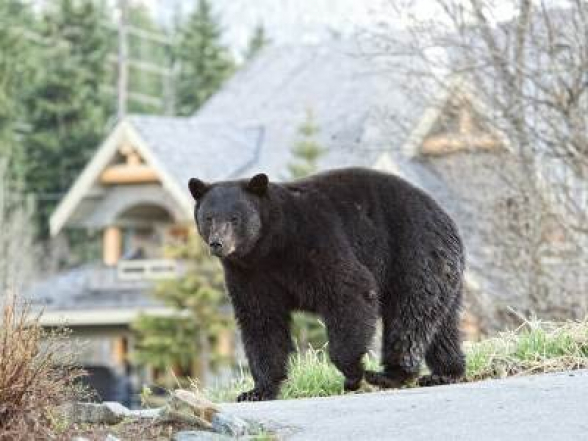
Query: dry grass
x,y
36,375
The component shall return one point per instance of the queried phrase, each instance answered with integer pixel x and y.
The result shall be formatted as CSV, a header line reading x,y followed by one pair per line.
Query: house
x,y
134,189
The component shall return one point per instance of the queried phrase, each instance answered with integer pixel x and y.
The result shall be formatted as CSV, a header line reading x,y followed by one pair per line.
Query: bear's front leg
x,y
267,342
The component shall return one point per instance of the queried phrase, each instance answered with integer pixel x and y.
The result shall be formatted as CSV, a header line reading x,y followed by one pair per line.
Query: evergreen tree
x,y
188,343
17,67
67,109
307,150
204,62
257,42
307,329
153,51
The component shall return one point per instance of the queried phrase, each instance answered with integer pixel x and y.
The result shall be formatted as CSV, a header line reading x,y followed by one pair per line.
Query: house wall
x,y
492,220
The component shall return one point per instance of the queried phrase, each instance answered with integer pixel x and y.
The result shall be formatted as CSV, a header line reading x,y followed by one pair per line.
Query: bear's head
x,y
229,214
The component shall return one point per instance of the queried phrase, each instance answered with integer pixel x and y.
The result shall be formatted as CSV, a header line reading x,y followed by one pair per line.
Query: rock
x,y
230,425
170,415
193,435
184,407
147,414
93,413
117,408
188,407
185,403
185,400
110,413
111,437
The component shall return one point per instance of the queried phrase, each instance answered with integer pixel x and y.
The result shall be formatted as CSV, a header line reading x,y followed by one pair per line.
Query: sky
x,y
288,21
296,21
285,21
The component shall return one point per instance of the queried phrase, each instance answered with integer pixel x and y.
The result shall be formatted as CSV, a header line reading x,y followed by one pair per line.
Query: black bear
x,y
350,245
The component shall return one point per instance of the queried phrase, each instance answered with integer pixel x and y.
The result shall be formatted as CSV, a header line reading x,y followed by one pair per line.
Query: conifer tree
x,y
204,62
306,150
67,109
17,67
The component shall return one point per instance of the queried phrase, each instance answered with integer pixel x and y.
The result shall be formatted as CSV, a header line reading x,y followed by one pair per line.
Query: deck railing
x,y
147,269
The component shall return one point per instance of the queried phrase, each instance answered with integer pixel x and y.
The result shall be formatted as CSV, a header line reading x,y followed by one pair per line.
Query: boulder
x,y
93,413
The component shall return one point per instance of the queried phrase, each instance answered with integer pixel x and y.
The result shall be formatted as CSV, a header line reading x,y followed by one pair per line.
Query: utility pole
x,y
123,55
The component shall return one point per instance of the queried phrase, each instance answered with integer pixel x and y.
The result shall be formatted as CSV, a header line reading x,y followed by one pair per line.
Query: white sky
x,y
288,21
304,20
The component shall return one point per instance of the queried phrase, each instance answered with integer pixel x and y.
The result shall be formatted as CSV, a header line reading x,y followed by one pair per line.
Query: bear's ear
x,y
197,188
258,184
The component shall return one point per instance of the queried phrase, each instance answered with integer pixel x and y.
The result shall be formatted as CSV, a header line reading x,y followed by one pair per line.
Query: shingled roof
x,y
252,123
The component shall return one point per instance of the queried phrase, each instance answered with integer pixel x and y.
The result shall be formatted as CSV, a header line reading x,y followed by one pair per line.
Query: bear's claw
x,y
255,395
436,380
386,381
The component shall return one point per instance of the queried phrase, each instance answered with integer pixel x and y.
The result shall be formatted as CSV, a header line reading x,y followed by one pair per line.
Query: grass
x,y
310,374
535,347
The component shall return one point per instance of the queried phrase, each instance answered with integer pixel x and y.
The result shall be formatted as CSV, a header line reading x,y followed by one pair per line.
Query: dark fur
x,y
351,245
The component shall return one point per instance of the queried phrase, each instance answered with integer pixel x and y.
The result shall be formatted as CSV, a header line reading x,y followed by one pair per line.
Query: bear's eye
x,y
234,219
208,219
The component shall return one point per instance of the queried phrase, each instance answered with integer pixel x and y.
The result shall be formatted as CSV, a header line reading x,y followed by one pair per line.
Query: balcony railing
x,y
129,274
147,269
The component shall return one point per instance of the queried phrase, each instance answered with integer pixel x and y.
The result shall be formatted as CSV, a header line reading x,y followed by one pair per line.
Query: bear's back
x,y
370,191
379,210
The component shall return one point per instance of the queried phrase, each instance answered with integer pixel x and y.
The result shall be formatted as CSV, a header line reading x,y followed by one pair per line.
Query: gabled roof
x,y
104,155
348,93
457,86
185,146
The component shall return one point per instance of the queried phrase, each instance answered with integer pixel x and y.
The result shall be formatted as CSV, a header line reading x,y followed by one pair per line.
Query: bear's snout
x,y
216,247
221,240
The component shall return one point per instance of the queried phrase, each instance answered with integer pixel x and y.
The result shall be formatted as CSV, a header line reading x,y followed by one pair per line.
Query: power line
x,y
124,61
123,70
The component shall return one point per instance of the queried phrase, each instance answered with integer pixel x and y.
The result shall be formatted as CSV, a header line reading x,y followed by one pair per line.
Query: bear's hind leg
x,y
411,315
444,356
401,359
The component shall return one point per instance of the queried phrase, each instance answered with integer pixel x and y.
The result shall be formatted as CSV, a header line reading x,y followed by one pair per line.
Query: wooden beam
x,y
120,350
445,144
128,174
111,245
134,159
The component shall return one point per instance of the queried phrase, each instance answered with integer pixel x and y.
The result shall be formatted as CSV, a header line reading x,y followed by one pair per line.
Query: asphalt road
x,y
541,407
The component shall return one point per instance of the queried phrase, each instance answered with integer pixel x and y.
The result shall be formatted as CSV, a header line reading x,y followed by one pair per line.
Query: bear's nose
x,y
216,247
